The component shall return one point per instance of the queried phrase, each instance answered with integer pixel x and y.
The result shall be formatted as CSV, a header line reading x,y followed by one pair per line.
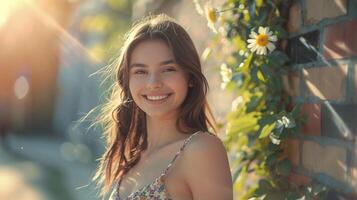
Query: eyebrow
x,y
143,65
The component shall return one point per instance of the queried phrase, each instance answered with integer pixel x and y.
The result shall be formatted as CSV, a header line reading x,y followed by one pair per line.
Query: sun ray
x,y
52,23
8,7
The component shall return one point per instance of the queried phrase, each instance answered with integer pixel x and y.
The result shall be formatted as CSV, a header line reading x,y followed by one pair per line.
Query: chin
x,y
163,115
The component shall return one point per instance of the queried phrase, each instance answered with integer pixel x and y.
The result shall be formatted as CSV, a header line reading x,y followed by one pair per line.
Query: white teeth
x,y
157,97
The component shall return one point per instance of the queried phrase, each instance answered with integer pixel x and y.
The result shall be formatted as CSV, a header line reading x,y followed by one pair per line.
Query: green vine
x,y
262,117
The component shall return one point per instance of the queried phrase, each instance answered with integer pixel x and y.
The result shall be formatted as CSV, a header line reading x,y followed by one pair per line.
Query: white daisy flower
x,y
226,74
262,41
212,15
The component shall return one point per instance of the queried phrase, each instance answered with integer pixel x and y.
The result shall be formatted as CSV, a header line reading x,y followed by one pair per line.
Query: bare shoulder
x,y
203,143
206,168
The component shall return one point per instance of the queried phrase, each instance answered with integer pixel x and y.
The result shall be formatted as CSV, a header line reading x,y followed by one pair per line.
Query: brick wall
x,y
323,49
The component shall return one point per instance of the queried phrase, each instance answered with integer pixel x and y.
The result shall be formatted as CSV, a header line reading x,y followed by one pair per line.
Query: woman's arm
x,y
207,171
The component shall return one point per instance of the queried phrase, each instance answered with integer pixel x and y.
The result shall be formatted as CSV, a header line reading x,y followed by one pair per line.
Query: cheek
x,y
180,83
133,87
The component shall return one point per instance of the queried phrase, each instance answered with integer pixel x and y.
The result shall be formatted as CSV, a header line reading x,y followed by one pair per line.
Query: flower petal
x,y
261,30
258,50
254,48
273,38
267,30
251,40
271,46
212,27
264,51
253,34
251,45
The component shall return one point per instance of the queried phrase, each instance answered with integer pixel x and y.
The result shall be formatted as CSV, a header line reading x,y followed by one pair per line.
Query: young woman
x,y
158,144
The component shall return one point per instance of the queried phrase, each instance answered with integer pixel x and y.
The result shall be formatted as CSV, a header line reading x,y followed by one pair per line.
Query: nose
x,y
154,81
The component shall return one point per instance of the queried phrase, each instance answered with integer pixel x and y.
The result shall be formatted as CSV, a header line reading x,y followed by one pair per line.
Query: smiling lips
x,y
156,97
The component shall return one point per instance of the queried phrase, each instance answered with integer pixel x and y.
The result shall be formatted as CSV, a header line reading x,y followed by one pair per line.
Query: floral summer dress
x,y
155,190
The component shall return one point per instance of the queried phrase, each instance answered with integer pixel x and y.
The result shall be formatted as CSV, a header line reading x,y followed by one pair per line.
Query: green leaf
x,y
258,193
254,75
259,3
240,44
231,86
263,183
283,167
275,195
293,195
236,174
253,103
266,70
277,59
263,14
296,111
240,181
271,159
280,32
266,119
260,76
267,130
247,63
255,193
244,124
272,148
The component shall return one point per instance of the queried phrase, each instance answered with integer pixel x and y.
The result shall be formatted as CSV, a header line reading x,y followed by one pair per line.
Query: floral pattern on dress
x,y
156,190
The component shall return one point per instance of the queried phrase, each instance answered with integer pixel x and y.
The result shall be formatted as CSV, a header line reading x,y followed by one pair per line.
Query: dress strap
x,y
187,140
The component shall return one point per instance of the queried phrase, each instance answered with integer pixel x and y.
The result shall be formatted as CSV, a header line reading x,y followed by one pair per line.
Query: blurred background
x,y
50,51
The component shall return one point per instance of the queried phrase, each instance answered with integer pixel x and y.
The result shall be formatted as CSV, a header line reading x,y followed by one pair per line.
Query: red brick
x,y
317,10
294,23
355,96
326,159
292,146
327,83
313,122
340,40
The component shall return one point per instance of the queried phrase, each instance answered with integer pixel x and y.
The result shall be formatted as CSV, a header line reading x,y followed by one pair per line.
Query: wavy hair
x,y
125,123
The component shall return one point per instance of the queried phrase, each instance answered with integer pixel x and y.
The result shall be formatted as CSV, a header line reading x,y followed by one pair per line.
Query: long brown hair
x,y
125,123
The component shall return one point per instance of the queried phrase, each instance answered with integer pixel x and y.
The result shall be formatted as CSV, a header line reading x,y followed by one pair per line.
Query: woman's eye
x,y
140,72
171,69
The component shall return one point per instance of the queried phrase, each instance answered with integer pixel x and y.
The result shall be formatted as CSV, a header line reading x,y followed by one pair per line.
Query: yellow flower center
x,y
212,15
262,40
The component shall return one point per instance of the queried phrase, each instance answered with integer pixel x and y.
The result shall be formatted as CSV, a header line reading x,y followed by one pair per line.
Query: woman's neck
x,y
161,132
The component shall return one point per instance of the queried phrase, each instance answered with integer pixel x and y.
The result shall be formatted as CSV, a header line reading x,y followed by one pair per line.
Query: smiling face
x,y
157,83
